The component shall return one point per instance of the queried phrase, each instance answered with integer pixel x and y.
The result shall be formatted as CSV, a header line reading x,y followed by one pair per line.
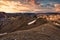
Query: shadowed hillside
x,y
29,26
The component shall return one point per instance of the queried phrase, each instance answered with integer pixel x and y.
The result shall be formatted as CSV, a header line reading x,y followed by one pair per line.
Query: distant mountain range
x,y
2,14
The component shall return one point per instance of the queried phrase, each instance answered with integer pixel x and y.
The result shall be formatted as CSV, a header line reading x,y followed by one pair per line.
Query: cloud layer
x,y
29,6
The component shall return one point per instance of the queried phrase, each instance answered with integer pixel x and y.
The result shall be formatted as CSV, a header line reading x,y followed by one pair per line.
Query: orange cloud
x,y
57,7
17,6
12,6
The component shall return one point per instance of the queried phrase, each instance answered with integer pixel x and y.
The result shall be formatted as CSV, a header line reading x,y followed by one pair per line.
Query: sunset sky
x,y
30,5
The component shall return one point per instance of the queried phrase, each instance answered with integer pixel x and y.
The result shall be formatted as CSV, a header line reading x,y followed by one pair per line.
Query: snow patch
x,y
31,22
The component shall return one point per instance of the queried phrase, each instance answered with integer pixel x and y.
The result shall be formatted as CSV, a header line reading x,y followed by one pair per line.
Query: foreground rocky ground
x,y
29,28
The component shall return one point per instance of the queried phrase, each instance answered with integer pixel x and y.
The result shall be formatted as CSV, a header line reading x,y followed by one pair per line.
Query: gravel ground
x,y
42,32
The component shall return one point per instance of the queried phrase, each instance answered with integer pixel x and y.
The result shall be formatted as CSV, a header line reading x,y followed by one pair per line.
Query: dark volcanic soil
x,y
17,28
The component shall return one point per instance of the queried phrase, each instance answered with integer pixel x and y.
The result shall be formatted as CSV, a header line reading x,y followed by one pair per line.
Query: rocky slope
x,y
27,27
